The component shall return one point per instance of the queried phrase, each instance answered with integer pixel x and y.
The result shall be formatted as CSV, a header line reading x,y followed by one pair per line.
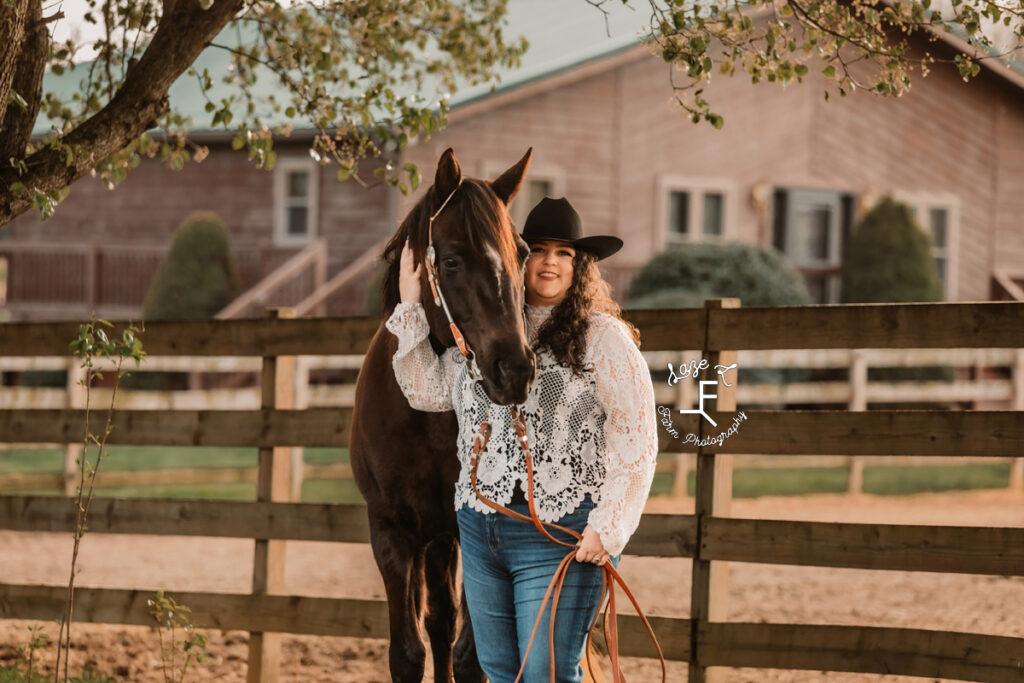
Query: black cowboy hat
x,y
555,219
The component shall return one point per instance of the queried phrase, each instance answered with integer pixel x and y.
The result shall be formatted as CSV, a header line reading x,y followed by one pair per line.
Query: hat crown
x,y
553,219
557,220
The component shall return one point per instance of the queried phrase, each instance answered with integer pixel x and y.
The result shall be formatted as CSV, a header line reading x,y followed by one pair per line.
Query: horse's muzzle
x,y
509,376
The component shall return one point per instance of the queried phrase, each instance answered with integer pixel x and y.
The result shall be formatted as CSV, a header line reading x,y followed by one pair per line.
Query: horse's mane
x,y
477,204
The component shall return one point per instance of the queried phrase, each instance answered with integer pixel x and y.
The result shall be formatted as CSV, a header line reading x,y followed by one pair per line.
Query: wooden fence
x,y
709,536
998,381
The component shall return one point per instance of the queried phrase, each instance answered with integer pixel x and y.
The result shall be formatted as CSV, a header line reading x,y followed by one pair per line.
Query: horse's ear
x,y
507,184
448,175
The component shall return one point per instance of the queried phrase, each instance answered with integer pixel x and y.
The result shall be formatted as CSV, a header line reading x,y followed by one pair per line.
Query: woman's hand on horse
x,y
409,277
590,548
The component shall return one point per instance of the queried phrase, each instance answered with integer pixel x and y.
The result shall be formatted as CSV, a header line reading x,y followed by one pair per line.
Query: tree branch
x,y
180,37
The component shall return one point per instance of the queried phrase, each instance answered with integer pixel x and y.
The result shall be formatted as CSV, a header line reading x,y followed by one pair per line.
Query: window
x,y
810,228
938,216
694,209
295,202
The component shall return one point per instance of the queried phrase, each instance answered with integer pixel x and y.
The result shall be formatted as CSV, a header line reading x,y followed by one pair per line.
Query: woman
x,y
592,433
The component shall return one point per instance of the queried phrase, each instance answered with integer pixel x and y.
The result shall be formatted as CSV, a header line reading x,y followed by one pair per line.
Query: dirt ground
x,y
982,604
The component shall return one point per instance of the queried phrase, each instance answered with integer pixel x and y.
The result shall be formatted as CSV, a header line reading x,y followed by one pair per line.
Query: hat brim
x,y
601,246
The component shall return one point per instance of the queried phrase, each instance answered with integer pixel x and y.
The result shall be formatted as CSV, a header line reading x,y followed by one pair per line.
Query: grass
x,y
884,481
154,457
747,483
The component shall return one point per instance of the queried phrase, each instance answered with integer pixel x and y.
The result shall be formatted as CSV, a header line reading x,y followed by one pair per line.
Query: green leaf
x,y
829,71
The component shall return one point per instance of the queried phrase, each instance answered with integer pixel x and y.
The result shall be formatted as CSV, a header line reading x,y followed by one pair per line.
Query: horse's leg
x,y
466,666
441,560
399,557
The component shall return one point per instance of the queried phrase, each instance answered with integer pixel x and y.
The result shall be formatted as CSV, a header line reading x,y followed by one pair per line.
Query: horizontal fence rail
x,y
710,537
997,433
948,549
982,325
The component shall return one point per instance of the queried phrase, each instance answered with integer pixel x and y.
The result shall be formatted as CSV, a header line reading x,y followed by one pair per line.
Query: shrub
x,y
889,259
757,276
684,276
198,278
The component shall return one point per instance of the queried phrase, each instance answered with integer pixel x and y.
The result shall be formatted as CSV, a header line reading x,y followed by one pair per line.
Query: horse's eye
x,y
450,263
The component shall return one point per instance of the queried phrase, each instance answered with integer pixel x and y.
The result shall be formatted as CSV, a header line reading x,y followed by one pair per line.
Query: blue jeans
x,y
507,566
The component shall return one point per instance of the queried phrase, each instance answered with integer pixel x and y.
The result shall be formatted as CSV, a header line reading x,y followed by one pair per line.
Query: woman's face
x,y
548,272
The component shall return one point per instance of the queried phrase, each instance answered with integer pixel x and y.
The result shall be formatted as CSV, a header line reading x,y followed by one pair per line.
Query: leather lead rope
x,y
609,576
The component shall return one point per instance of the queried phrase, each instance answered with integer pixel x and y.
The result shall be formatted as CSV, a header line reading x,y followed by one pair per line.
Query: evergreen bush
x,y
195,281
757,276
197,278
684,276
889,260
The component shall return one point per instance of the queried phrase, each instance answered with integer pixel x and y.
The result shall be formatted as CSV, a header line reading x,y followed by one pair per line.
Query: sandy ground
x,y
982,604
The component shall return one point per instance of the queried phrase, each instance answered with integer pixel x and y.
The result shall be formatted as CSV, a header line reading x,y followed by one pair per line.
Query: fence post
x,y
278,392
858,402
713,496
75,400
1017,465
684,399
301,402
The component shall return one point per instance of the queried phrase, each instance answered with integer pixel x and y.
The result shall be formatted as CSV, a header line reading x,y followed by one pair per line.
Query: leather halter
x,y
609,576
435,288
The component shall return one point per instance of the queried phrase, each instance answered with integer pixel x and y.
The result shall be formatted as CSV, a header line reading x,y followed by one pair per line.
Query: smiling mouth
x,y
548,276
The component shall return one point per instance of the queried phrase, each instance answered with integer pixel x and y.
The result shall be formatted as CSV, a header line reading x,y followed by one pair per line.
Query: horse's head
x,y
479,260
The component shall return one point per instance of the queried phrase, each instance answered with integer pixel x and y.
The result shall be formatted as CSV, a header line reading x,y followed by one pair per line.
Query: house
x,y
788,169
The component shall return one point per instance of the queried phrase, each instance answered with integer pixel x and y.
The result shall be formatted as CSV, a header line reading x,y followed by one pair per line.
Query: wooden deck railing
x,y
65,280
709,536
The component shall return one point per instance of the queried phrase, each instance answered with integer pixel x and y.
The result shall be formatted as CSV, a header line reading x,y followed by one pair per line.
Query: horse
x,y
405,461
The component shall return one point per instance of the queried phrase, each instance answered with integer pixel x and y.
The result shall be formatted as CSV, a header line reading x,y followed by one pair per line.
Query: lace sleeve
x,y
425,379
625,392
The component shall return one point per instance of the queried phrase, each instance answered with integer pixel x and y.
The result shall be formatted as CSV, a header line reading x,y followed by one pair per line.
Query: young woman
x,y
592,431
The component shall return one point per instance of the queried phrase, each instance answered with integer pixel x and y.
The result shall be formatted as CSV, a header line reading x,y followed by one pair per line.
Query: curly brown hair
x,y
564,332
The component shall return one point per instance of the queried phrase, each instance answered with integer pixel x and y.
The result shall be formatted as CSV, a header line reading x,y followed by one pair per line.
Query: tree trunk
x,y
12,34
16,125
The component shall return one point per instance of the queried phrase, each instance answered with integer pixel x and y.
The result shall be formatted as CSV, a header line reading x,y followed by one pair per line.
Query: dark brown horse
x,y
404,461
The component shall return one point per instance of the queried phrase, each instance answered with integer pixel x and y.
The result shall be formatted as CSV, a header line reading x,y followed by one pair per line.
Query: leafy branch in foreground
x,y
92,345
864,44
365,76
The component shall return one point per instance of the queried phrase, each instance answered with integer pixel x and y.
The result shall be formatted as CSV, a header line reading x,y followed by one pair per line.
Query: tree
x,y
889,259
864,44
357,71
338,66
197,278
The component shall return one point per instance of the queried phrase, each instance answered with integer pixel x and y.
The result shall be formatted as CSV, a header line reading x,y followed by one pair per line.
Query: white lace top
x,y
595,433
